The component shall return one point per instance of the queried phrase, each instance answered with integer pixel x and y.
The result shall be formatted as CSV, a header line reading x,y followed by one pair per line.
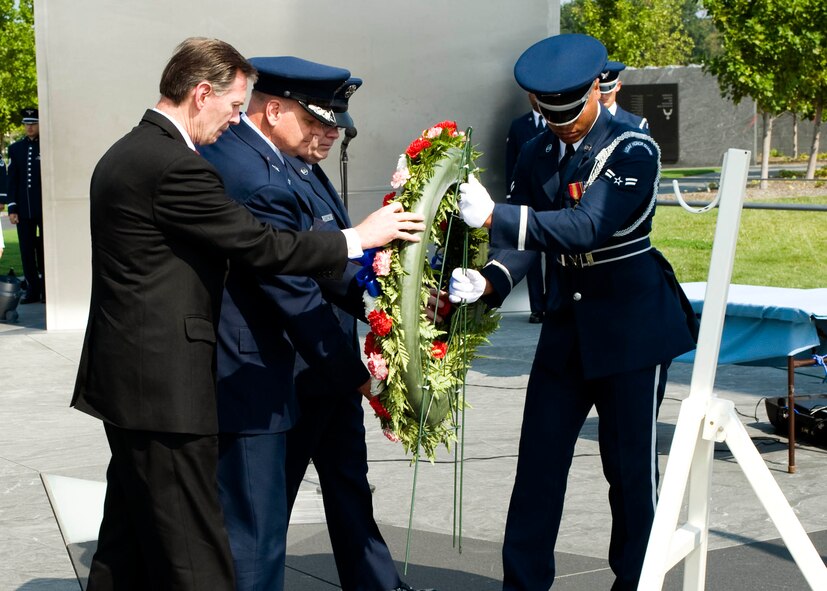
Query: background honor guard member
x,y
610,85
26,204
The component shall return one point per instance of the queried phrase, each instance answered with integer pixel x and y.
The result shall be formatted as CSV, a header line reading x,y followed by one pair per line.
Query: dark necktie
x,y
565,159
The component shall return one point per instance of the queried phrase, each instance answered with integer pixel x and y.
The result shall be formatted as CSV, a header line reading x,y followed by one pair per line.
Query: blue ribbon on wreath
x,y
820,360
366,276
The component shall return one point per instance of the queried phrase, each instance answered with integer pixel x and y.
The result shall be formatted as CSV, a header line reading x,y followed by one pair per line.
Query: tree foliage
x,y
774,52
18,72
637,32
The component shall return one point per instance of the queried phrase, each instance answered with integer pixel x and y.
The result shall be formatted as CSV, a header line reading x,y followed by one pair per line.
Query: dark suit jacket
x,y
266,318
162,230
611,318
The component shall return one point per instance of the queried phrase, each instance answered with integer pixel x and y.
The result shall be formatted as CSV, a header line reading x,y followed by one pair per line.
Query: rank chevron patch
x,y
629,181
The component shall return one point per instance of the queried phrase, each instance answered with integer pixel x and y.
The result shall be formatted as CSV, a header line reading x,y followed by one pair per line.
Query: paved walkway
x,y
40,433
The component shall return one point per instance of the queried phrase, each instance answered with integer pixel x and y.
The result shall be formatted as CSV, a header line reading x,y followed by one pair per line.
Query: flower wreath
x,y
418,365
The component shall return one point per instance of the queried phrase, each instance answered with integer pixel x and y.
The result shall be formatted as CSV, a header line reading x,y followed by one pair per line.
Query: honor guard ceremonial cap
x,y
29,115
312,84
342,96
560,71
609,76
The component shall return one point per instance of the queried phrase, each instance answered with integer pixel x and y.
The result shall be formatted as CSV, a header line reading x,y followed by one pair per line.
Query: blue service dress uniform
x,y
4,180
25,199
522,129
631,119
330,430
264,319
613,323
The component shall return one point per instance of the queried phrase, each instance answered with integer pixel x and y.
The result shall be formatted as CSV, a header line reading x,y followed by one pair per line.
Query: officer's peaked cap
x,y
560,64
312,84
29,115
608,77
340,100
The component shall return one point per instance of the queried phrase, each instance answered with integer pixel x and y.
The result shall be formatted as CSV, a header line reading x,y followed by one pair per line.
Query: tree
x,y
772,53
18,72
636,32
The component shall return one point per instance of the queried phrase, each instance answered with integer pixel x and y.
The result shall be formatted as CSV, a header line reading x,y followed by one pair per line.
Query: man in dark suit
x,y
522,129
162,231
26,204
610,85
330,430
584,192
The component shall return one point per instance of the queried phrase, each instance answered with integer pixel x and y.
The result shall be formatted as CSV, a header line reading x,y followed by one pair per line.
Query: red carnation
x,y
371,346
439,349
443,225
451,126
380,322
388,198
444,305
417,146
379,409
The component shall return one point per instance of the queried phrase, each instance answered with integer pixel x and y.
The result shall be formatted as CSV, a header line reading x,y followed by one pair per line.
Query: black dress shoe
x,y
406,587
535,318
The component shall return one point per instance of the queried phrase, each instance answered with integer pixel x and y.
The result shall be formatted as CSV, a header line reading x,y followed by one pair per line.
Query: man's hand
x,y
13,218
475,204
387,224
466,287
442,303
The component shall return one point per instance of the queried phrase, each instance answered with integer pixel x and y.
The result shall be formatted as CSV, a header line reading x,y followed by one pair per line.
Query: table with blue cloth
x,y
770,326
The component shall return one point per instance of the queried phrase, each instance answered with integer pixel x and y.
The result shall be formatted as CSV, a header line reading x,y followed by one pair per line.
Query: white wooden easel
x,y
705,419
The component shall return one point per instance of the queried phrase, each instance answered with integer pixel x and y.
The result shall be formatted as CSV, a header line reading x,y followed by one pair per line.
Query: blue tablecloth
x,y
764,325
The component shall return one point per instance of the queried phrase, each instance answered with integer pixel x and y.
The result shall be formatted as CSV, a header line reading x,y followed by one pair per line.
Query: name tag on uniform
x,y
327,217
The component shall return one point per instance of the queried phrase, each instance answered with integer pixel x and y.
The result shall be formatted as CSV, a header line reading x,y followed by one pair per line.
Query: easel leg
x,y
771,497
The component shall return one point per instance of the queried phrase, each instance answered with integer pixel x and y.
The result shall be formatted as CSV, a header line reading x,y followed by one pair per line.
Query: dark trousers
x,y
555,409
30,237
535,283
162,527
331,431
254,498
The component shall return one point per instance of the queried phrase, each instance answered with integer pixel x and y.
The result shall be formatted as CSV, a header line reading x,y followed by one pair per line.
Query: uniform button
x,y
577,297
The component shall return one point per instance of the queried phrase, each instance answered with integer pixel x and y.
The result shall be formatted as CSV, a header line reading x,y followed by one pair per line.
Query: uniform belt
x,y
607,254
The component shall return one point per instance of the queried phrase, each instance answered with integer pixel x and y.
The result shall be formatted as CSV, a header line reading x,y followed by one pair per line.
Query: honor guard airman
x,y
610,85
25,204
584,193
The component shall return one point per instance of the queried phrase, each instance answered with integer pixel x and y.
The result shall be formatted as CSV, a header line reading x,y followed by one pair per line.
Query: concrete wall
x,y
708,124
99,62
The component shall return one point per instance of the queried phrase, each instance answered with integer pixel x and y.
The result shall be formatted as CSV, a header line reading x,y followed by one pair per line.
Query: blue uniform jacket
x,y
24,188
522,129
4,181
628,118
265,319
346,293
612,317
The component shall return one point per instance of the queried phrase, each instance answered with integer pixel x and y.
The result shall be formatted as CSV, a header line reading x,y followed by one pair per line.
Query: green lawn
x,y
679,173
11,254
778,248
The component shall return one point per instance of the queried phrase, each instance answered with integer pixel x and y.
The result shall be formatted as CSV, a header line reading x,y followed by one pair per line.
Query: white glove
x,y
475,204
466,286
